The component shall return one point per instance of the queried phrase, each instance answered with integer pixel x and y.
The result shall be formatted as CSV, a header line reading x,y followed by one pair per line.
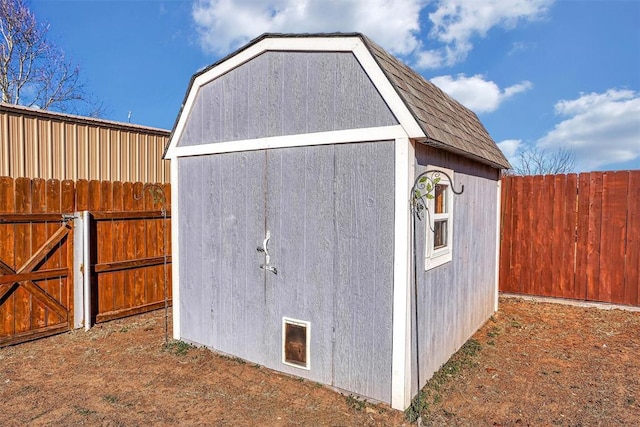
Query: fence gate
x,y
36,288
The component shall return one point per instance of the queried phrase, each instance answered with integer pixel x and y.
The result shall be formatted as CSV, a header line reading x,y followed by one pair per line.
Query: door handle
x,y
267,258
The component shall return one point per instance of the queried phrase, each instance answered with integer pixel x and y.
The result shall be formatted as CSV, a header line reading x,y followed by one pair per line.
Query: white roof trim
x,y
319,138
319,44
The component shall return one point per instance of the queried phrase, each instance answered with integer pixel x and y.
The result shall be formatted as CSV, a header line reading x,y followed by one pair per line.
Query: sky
x,y
540,74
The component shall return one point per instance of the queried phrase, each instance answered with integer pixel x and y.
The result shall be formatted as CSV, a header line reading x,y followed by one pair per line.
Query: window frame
x,y
436,257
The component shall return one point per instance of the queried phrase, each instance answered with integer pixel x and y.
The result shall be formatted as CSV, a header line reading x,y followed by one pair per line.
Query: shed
x,y
294,161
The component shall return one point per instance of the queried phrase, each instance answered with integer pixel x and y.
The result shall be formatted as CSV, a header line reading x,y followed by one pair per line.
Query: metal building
x,y
44,144
300,165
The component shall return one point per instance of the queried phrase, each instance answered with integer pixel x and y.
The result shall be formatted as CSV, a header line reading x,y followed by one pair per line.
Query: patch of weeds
x,y
493,319
491,342
179,348
110,398
419,405
354,402
493,332
631,401
471,347
84,411
239,361
28,389
124,329
515,324
236,359
430,395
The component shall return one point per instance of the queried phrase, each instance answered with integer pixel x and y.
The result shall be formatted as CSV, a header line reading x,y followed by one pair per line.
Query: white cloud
x,y
510,148
224,25
457,22
599,128
476,93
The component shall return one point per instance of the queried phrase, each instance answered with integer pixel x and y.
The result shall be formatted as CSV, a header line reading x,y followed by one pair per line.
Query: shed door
x,y
333,252
299,200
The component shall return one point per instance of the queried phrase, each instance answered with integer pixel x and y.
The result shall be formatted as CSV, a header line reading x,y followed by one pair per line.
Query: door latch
x,y
265,249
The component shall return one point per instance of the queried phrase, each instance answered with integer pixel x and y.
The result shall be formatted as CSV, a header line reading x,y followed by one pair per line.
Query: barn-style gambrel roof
x,y
428,114
447,123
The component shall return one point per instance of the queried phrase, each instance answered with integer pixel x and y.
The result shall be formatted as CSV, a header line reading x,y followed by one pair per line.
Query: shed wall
x,y
330,210
456,298
286,93
39,144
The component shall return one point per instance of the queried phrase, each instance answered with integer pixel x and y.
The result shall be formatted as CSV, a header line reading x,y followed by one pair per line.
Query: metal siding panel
x,y
6,146
364,263
44,145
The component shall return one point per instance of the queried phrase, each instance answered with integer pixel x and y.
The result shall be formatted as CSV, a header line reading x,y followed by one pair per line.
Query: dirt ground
x,y
534,364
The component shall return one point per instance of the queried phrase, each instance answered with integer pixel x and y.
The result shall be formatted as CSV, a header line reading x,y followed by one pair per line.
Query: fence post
x,y
82,271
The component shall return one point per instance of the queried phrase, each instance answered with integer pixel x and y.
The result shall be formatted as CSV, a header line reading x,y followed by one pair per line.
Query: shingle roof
x,y
447,123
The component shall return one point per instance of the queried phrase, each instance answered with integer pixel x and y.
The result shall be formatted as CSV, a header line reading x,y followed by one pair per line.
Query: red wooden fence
x,y
128,254
572,236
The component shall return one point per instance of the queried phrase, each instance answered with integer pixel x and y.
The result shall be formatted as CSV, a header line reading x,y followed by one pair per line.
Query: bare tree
x,y
34,71
534,161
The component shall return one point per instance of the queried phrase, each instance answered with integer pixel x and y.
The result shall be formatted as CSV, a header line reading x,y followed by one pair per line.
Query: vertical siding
x,y
456,298
300,210
40,144
330,213
364,268
286,93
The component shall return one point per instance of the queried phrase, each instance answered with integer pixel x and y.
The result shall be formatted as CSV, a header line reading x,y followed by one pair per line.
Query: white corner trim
x,y
401,330
175,250
498,229
318,138
315,44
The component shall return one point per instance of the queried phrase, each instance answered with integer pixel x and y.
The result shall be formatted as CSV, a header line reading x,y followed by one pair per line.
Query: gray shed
x,y
293,163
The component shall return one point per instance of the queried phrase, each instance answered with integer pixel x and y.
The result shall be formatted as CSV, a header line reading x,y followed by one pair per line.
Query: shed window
x,y
440,227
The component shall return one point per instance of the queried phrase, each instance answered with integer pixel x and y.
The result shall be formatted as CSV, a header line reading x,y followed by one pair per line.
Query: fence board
x,y
632,257
37,252
22,300
39,235
593,236
7,255
118,248
572,236
614,219
105,250
569,237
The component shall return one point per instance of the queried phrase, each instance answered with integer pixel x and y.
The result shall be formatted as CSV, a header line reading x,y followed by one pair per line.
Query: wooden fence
x,y
572,236
128,236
